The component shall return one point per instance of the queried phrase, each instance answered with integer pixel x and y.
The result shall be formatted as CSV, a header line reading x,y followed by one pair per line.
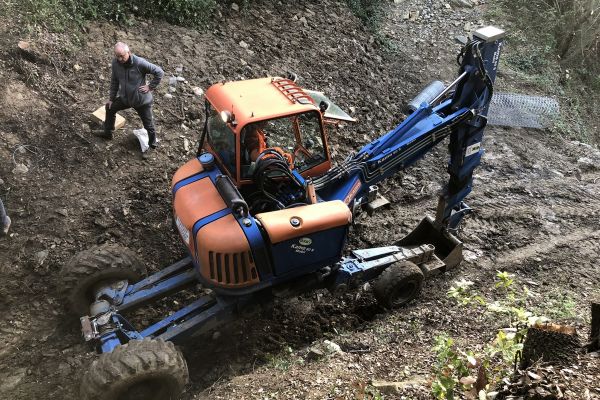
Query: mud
x,y
536,200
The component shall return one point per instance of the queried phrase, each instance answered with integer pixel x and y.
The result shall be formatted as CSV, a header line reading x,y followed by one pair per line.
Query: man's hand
x,y
144,89
108,105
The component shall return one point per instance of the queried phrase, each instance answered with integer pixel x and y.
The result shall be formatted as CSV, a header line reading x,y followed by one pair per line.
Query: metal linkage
x,y
369,263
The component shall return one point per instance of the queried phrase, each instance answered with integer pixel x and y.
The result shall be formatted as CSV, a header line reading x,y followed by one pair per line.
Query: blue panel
x,y
315,249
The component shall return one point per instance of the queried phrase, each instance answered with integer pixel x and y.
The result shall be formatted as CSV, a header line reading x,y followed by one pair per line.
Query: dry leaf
x,y
468,380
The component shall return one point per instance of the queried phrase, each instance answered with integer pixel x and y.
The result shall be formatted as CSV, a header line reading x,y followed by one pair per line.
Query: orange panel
x,y
313,218
188,169
224,252
196,201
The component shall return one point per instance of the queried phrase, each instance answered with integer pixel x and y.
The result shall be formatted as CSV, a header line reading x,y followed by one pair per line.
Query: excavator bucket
x,y
448,249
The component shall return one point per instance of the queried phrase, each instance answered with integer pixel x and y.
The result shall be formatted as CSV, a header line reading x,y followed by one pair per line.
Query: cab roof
x,y
258,99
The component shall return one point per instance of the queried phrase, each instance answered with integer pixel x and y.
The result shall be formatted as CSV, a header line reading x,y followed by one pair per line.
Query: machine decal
x,y
185,234
305,241
302,249
352,193
473,149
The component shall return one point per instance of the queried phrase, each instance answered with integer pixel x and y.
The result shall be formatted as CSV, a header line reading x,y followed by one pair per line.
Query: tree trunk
x,y
555,344
594,344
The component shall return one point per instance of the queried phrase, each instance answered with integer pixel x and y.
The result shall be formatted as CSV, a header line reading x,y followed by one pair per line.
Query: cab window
x,y
222,141
298,136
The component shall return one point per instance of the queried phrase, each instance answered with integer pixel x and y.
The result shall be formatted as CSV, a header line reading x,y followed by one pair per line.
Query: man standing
x,y
128,88
4,220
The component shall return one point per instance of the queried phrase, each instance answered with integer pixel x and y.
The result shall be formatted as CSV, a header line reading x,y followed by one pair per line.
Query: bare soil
x,y
536,196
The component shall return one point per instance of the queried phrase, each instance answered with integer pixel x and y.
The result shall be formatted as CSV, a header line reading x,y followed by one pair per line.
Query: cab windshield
x,y
298,137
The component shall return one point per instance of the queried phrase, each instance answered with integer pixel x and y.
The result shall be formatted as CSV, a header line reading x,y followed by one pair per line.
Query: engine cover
x,y
238,253
306,238
217,241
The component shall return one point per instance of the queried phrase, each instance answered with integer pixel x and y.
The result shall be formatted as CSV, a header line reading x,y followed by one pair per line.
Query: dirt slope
x,y
537,200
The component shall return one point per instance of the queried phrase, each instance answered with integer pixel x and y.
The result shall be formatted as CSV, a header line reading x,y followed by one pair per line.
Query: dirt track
x,y
537,201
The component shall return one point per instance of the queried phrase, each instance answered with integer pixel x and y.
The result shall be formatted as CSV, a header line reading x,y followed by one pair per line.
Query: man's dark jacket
x,y
128,77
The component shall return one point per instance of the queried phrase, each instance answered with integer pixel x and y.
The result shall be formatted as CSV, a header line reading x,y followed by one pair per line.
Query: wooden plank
x,y
100,115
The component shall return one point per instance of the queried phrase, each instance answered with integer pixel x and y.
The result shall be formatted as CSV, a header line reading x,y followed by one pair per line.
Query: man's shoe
x,y
108,135
148,153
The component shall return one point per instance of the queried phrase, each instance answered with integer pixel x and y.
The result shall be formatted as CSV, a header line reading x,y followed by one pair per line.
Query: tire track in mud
x,y
578,239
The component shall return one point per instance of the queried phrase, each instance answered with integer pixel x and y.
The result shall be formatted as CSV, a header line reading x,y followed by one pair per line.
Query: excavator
x,y
264,213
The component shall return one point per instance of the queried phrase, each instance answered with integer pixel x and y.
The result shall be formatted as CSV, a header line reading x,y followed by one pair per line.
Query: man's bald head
x,y
121,52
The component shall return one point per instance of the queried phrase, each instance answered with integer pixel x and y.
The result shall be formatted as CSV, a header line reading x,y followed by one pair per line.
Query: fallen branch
x,y
175,115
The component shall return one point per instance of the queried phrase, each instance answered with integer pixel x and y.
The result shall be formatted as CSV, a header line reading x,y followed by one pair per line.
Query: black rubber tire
x,y
398,284
108,262
146,369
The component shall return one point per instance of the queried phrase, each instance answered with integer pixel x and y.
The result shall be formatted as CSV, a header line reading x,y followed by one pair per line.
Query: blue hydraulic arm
x,y
460,115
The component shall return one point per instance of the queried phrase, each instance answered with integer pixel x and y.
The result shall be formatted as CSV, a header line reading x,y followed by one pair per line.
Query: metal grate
x,y
232,268
292,91
518,110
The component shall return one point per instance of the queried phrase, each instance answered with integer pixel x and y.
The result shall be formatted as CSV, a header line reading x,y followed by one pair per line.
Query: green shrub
x,y
574,25
370,12
59,15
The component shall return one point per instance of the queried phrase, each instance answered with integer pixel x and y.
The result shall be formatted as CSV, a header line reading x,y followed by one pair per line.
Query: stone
x,y
395,387
314,353
386,387
63,212
235,7
462,3
243,44
198,91
587,164
41,256
168,96
331,347
11,379
20,169
23,45
414,15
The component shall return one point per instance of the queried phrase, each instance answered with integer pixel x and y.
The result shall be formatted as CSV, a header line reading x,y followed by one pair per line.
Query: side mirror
x,y
323,106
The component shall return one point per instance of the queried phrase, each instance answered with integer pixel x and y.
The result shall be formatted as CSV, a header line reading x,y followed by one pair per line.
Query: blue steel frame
x,y
462,118
208,312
